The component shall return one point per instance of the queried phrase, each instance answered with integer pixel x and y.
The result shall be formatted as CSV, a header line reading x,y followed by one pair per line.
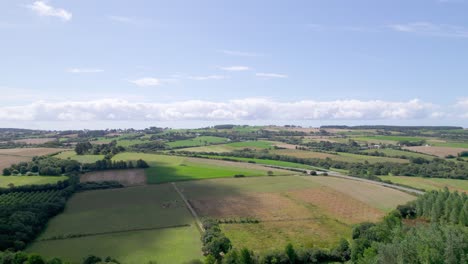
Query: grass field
x,y
5,181
429,184
260,144
346,157
266,162
251,144
80,158
388,138
133,225
303,210
164,168
398,153
450,144
128,177
198,141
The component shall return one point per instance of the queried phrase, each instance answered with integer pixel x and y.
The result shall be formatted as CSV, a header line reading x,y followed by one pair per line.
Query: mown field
x,y
133,225
165,168
303,210
429,184
6,181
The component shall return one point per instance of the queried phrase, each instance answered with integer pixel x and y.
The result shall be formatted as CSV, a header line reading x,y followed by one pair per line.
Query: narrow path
x,y
192,211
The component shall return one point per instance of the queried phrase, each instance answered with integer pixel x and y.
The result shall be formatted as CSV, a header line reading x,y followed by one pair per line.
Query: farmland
x,y
437,151
429,184
16,155
198,141
6,181
128,177
164,168
112,222
303,210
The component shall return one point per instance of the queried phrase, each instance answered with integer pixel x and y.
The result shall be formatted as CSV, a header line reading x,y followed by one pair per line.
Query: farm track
x,y
113,232
189,206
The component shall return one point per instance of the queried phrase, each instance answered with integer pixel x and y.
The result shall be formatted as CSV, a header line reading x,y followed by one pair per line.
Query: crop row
x,y
15,198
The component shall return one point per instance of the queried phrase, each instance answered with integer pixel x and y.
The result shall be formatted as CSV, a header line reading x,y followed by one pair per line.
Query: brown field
x,y
6,161
130,177
340,205
437,151
34,140
29,152
282,145
9,157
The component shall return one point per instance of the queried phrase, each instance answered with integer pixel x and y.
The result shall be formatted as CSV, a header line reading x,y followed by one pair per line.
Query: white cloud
x,y
462,105
270,75
209,77
146,82
246,109
43,9
430,29
235,68
84,70
240,53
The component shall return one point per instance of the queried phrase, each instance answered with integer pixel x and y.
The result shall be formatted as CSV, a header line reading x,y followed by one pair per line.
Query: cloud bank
x,y
43,9
245,109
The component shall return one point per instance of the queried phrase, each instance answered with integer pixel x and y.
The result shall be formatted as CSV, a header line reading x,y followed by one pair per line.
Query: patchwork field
x,y
429,184
80,158
303,210
437,151
133,225
5,181
128,177
259,145
165,168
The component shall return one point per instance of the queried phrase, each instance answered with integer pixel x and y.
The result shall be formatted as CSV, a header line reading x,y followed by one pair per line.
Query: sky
x,y
118,64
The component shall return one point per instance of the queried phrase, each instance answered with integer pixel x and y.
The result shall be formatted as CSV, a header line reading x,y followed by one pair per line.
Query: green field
x,y
232,146
165,168
303,210
266,162
251,144
80,158
429,184
198,141
395,139
450,144
398,153
133,225
5,181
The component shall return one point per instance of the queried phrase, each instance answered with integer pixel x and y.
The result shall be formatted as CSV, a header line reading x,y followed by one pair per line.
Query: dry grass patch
x,y
339,205
34,140
262,206
437,151
29,152
377,196
128,177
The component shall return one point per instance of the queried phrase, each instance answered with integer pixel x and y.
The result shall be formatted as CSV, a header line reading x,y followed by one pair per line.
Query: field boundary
x,y
189,206
72,236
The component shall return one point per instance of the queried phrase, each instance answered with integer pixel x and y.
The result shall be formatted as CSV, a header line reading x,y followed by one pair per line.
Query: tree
x,y
232,257
246,256
35,259
91,259
210,259
291,253
141,164
6,172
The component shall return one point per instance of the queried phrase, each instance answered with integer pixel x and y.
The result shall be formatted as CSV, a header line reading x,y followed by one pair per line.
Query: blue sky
x,y
98,64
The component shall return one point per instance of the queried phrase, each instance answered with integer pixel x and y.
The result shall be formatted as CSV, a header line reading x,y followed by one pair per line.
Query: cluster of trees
x,y
9,257
351,147
107,164
20,223
432,238
98,149
87,186
44,165
441,206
